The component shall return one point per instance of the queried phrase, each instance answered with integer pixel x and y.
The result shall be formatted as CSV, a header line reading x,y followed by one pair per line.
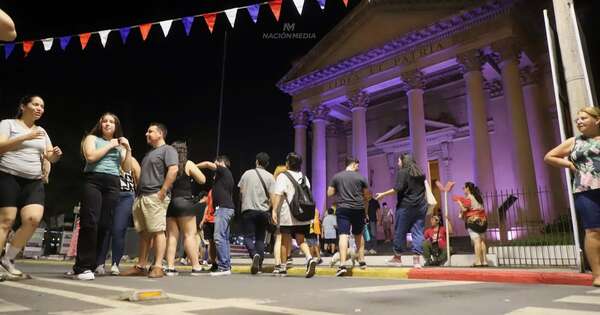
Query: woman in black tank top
x,y
182,211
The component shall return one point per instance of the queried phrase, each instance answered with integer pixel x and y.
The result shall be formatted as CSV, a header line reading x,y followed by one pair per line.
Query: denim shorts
x,y
350,220
587,204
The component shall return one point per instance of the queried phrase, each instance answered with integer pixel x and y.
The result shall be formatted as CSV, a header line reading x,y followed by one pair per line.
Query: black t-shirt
x,y
410,190
223,188
373,206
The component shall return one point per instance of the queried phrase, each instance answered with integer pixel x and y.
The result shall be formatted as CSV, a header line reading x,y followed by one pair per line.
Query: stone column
x,y
333,131
416,117
358,105
319,159
539,126
483,170
523,166
300,120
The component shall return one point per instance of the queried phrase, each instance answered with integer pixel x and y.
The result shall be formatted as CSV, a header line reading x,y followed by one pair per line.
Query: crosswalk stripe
x,y
580,299
6,307
597,291
408,286
549,311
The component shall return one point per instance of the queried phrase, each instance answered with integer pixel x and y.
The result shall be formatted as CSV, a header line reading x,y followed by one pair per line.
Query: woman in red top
x,y
208,228
473,214
434,245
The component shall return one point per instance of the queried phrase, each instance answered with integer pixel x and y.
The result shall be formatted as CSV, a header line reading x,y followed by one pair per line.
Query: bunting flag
x,y
27,46
84,39
104,37
187,24
231,14
253,10
209,18
322,4
145,29
8,49
47,42
166,26
124,33
276,8
64,42
300,4
210,21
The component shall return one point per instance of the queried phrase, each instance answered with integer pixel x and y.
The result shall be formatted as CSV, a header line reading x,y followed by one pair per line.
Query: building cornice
x,y
438,30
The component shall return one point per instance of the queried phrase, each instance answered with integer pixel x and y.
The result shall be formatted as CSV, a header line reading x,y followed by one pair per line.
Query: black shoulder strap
x,y
263,183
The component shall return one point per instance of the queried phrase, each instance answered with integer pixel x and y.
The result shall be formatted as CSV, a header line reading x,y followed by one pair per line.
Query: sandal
x,y
474,265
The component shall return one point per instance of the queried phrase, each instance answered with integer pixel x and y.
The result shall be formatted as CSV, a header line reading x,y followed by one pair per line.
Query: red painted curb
x,y
505,276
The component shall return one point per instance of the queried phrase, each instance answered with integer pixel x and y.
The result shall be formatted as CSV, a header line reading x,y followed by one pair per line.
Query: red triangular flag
x,y
345,3
210,19
145,29
275,8
27,45
83,39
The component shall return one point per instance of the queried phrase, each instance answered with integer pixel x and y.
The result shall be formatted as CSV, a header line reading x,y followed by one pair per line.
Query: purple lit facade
x,y
462,86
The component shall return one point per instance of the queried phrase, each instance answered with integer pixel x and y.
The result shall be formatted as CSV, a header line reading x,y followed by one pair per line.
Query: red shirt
x,y
431,234
209,212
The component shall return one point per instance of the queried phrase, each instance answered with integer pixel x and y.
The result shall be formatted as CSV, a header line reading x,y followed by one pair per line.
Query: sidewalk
x,y
377,269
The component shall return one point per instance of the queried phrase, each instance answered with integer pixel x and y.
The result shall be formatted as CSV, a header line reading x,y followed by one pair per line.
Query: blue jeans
x,y
413,219
373,233
117,231
222,219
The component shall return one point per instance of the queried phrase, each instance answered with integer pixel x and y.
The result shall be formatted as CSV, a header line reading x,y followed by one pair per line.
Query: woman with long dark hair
x,y
24,146
411,207
106,152
182,211
473,213
583,154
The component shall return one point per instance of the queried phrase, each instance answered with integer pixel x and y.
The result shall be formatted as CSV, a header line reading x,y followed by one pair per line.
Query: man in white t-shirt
x,y
288,224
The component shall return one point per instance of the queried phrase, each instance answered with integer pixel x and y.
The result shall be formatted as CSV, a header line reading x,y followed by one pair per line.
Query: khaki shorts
x,y
150,214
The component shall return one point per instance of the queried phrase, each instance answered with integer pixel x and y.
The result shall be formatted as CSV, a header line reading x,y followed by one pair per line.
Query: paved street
x,y
49,293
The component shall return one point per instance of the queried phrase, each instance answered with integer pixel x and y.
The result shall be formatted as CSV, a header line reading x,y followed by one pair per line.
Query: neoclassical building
x,y
465,86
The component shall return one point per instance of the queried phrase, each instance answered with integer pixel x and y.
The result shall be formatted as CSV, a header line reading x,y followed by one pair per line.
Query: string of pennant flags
x,y
209,18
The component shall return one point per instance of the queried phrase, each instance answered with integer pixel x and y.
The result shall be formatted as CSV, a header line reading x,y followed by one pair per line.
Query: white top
x,y
285,188
26,159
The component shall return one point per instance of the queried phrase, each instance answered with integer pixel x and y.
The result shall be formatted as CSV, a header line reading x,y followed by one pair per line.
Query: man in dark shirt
x,y
351,189
222,194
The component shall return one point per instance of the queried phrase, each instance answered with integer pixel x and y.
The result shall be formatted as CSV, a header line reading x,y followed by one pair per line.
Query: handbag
x,y
431,202
271,226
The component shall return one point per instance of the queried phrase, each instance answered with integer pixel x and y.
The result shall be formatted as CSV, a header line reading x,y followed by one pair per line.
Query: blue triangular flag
x,y
187,24
8,49
253,10
124,33
322,4
64,41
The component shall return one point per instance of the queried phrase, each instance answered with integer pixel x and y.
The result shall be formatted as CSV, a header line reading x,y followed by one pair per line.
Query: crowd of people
x,y
157,195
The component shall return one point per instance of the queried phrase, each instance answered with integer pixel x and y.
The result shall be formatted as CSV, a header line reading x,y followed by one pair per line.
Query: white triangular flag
x,y
299,5
104,37
231,14
47,43
166,26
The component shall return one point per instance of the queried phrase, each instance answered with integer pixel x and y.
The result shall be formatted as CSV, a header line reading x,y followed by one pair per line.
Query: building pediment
x,y
378,29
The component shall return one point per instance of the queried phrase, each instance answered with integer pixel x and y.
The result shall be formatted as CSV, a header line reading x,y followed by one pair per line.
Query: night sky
x,y
174,80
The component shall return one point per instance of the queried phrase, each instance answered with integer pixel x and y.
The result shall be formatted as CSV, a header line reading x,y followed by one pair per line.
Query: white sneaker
x,y
114,270
10,266
86,275
220,273
372,251
100,271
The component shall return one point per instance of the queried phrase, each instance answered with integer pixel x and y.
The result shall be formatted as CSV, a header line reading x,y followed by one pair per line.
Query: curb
x,y
399,273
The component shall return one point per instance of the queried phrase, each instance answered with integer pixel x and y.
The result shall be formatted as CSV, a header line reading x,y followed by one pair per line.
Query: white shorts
x,y
475,236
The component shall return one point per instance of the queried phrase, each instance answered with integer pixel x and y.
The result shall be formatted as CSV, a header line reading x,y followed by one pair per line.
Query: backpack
x,y
302,206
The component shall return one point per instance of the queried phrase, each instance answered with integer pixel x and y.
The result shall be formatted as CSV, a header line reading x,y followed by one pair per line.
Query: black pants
x,y
100,198
255,225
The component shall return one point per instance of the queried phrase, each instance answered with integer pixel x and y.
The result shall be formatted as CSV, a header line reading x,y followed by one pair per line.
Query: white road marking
x,y
580,299
408,286
190,304
549,311
597,291
6,307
